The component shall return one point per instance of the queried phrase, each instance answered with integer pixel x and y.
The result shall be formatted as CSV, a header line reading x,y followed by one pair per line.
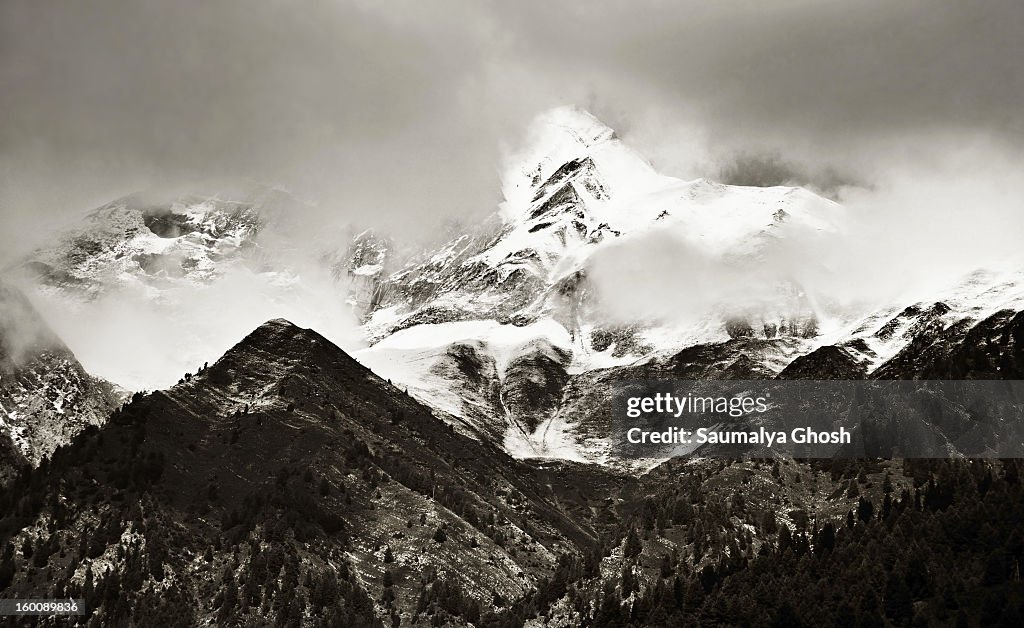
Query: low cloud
x,y
391,112
142,343
771,169
23,332
915,235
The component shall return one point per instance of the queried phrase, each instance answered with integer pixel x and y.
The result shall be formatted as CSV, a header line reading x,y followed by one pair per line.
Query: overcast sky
x,y
396,112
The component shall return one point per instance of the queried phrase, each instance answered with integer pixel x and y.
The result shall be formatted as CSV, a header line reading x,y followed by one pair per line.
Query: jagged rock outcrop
x,y
990,349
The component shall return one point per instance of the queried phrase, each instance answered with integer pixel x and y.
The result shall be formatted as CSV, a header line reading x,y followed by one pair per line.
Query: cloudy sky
x,y
397,112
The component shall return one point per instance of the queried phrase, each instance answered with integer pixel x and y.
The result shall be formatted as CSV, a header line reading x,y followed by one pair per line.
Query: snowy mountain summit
x,y
522,303
597,269
572,193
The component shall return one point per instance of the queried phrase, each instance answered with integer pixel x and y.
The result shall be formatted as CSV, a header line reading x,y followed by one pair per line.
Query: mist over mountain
x,y
594,264
46,396
511,315
345,427
147,288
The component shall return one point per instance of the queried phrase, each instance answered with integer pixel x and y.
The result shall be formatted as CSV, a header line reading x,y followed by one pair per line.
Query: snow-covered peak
x,y
521,308
574,192
566,141
576,186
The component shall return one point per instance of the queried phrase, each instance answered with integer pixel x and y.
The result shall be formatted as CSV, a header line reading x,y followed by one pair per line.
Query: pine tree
x,y
633,547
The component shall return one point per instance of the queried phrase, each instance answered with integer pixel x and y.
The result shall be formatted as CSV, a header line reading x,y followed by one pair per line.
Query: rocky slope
x,y
286,444
581,424
288,484
46,397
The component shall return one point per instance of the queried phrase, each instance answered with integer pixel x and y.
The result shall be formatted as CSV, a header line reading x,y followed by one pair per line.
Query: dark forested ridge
x,y
942,543
283,484
286,485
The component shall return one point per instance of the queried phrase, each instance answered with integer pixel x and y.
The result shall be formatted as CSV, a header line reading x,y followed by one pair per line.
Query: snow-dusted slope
x,y
132,244
46,397
967,300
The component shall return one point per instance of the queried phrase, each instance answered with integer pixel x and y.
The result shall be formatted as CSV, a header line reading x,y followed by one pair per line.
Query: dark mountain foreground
x,y
287,482
287,485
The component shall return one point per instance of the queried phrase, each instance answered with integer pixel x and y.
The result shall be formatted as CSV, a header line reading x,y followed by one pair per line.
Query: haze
x,y
398,114
394,112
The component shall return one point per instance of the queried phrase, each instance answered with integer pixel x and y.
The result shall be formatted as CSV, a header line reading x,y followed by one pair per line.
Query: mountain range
x,y
458,467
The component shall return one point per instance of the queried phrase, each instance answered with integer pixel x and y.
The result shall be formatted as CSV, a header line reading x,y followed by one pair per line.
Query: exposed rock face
x,y
46,397
470,372
990,349
827,362
11,460
366,264
533,383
